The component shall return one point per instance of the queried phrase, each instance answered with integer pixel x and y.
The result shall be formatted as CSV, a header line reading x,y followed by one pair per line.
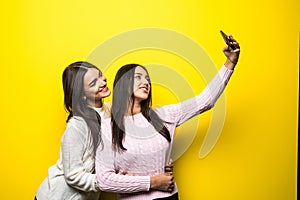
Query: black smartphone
x,y
227,41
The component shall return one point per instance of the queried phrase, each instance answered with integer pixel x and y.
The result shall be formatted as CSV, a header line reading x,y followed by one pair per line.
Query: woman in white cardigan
x,y
72,177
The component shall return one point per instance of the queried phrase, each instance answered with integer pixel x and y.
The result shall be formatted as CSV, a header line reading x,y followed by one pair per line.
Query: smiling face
x,y
95,87
141,86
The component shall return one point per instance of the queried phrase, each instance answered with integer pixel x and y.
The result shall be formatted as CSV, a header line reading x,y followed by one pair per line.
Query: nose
x,y
145,81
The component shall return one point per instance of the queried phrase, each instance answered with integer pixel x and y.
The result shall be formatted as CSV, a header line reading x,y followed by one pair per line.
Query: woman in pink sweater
x,y
140,137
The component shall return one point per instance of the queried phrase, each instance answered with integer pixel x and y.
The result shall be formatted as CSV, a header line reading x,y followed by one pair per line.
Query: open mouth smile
x,y
103,89
145,88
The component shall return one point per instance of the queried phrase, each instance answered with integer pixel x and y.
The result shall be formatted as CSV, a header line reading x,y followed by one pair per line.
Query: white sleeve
x,y
74,145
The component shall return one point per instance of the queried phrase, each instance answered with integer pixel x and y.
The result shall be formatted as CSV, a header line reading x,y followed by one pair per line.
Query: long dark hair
x,y
74,102
123,95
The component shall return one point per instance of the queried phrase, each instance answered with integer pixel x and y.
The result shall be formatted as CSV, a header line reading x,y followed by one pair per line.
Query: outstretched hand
x,y
232,55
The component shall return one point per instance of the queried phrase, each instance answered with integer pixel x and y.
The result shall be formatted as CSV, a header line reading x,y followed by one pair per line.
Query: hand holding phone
x,y
227,41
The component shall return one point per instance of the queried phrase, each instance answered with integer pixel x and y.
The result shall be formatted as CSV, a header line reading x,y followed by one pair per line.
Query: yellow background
x,y
256,155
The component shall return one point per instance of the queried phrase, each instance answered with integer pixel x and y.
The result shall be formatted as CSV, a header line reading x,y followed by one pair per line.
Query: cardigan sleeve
x,y
77,171
107,176
181,112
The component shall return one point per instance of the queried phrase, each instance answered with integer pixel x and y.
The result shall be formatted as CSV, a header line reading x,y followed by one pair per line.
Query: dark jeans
x,y
173,197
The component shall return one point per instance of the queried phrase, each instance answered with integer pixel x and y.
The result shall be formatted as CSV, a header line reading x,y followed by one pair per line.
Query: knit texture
x,y
73,177
148,151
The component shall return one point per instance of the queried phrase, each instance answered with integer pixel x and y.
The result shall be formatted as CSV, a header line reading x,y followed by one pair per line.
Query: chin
x,y
142,98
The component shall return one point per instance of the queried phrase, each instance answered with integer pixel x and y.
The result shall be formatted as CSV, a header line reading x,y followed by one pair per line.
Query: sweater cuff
x,y
224,69
225,72
147,183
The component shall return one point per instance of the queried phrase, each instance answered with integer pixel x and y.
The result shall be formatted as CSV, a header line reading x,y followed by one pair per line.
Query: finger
x,y
237,46
172,179
172,184
234,42
170,165
237,50
170,173
231,38
171,188
226,48
169,168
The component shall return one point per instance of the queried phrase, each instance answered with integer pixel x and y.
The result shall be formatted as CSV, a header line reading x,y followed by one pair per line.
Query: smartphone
x,y
227,41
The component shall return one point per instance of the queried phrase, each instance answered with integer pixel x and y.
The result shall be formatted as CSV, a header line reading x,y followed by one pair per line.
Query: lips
x,y
103,89
144,88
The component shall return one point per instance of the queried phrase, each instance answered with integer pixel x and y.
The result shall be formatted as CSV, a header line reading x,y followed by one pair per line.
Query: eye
x,y
92,84
138,77
148,78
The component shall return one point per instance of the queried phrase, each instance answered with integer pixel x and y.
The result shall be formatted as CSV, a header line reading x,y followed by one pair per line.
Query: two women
x,y
137,139
73,176
132,145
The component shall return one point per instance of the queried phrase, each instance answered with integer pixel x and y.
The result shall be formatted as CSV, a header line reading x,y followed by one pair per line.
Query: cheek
x,y
135,87
90,92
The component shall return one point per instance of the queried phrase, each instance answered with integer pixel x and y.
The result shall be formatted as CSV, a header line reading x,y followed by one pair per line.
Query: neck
x,y
97,104
136,109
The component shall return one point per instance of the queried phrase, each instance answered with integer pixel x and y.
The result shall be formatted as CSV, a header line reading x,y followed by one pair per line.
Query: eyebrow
x,y
92,82
95,79
138,73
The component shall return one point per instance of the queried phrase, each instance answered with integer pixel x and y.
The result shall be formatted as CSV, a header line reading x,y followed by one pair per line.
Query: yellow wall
x,y
256,154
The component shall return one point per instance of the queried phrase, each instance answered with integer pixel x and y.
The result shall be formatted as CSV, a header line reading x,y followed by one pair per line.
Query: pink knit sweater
x,y
147,150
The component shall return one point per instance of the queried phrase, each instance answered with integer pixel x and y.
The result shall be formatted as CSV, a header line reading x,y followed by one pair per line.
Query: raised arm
x,y
181,112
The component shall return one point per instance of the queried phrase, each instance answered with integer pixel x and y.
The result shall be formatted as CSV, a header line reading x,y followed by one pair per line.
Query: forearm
x,y
179,113
218,84
110,181
83,181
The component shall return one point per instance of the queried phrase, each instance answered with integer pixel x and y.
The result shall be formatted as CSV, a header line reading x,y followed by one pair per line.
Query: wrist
x,y
230,64
153,182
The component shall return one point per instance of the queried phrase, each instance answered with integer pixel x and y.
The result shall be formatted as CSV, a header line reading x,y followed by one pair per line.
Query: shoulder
x,y
167,112
76,120
77,123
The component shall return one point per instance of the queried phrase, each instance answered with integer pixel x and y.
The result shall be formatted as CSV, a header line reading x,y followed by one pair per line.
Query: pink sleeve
x,y
181,112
